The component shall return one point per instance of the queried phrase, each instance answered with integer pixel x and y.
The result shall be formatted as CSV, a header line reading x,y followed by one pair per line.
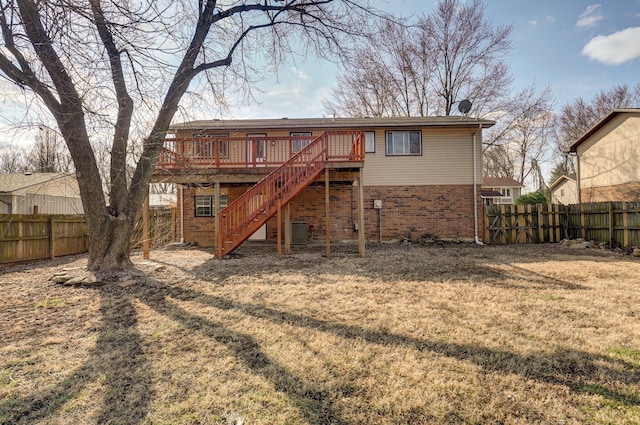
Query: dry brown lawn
x,y
408,335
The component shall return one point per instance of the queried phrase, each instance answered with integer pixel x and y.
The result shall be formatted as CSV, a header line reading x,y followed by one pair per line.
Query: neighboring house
x,y
608,158
564,190
39,193
417,174
500,190
162,201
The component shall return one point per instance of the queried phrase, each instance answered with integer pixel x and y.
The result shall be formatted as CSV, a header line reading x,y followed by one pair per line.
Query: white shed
x,y
39,193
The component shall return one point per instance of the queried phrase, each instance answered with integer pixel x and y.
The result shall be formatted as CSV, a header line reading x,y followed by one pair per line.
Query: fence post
x,y
625,224
540,224
611,224
52,251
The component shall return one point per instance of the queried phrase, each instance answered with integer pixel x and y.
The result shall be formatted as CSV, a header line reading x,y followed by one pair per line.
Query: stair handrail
x,y
279,187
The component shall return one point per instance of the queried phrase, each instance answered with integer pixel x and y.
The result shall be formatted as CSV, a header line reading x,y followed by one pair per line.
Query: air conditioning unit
x,y
298,233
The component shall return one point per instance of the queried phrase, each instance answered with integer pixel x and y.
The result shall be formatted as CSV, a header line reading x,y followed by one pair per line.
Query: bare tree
x,y
519,143
425,68
578,115
48,154
387,77
468,52
103,67
11,160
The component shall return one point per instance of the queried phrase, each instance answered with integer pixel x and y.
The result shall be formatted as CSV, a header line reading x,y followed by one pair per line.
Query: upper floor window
x,y
204,145
370,142
298,144
404,143
505,191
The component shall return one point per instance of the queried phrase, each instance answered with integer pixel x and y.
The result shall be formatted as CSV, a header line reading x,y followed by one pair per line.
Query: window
x,y
561,192
370,142
204,206
206,148
224,201
404,143
505,191
298,144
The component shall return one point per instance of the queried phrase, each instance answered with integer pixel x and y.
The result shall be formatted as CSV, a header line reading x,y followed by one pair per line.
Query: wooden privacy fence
x,y
34,237
614,223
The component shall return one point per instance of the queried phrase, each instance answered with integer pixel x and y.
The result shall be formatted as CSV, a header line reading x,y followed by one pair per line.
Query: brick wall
x,y
413,211
201,230
628,192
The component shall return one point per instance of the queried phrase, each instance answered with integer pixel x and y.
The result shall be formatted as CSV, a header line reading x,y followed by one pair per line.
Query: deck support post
x,y
361,229
216,212
146,236
279,231
327,223
287,229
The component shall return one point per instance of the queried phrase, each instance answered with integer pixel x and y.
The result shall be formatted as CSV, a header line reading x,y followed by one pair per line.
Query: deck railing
x,y
252,152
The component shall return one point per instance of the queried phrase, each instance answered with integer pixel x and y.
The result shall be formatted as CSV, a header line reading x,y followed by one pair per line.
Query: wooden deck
x,y
258,155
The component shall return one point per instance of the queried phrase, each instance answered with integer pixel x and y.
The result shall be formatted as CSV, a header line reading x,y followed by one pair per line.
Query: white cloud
x,y
533,23
614,49
550,19
589,18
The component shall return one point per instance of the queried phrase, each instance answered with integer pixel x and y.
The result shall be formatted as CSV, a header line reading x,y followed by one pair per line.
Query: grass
x,y
406,335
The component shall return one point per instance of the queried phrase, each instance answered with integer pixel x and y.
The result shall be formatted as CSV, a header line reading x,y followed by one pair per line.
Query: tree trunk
x,y
109,246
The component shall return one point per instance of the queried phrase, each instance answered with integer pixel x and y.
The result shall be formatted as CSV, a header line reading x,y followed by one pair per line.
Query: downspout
x,y
475,189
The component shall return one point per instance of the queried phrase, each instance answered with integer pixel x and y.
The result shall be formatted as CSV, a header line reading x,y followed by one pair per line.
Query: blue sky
x,y
577,47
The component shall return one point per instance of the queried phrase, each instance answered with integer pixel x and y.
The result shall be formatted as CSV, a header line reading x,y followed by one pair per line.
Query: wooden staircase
x,y
242,217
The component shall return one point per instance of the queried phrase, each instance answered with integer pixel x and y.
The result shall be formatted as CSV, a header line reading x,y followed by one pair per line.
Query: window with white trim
x,y
404,142
370,141
204,206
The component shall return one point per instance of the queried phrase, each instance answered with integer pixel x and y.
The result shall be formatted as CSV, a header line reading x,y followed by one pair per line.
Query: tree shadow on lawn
x,y
315,404
117,360
580,371
481,269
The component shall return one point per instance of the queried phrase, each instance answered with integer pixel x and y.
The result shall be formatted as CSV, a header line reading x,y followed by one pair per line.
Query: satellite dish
x,y
464,106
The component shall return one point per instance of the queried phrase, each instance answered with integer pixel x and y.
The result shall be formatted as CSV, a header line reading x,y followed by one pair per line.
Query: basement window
x,y
204,206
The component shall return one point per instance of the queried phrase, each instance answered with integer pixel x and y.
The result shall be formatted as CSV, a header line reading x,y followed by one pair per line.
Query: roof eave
x,y
573,148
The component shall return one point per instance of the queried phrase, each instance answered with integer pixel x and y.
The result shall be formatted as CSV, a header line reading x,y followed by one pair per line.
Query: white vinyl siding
x,y
611,155
404,143
447,159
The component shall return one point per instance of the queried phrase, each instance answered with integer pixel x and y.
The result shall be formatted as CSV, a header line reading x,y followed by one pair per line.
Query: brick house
x,y
608,155
361,179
